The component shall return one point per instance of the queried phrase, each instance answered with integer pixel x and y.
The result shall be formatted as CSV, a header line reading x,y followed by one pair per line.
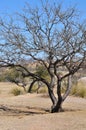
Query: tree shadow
x,y
28,110
17,111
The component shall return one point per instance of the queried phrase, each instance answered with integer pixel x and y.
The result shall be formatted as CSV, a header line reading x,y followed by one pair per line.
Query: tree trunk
x,y
31,85
69,85
52,96
58,106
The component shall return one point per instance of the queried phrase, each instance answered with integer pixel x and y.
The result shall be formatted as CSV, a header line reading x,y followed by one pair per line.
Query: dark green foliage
x,y
42,72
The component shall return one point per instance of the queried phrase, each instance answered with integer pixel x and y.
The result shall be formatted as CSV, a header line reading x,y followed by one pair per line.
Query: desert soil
x,y
31,112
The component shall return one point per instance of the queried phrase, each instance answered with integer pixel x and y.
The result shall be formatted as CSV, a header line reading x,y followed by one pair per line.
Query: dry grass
x,y
27,112
42,89
16,91
79,89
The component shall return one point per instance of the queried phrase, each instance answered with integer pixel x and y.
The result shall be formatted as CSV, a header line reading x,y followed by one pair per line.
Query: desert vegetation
x,y
54,39
79,89
78,83
16,91
43,68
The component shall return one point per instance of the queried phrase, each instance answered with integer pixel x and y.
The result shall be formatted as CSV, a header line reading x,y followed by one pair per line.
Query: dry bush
x,y
42,89
79,89
16,91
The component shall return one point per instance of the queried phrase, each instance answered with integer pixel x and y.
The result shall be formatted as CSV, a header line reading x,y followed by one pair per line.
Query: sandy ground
x,y
31,112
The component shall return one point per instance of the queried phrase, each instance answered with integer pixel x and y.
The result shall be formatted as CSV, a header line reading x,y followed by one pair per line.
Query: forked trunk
x,y
58,106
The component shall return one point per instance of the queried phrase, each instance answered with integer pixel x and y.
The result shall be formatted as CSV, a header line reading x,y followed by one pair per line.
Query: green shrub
x,y
16,91
42,72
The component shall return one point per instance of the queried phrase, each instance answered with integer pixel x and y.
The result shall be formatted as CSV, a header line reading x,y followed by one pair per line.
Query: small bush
x,y
43,90
79,90
82,92
16,91
2,78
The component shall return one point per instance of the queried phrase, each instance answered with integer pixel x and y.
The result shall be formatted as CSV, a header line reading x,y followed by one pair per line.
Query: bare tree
x,y
52,37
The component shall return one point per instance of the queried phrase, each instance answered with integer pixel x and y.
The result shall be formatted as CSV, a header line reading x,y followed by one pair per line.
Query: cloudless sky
x,y
11,6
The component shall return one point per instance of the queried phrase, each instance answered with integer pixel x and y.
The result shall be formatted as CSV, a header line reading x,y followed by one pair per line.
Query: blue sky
x,y
11,6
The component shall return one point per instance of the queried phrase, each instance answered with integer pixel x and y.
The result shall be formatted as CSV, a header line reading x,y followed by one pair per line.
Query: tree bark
x,y
52,96
58,106
69,85
31,85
